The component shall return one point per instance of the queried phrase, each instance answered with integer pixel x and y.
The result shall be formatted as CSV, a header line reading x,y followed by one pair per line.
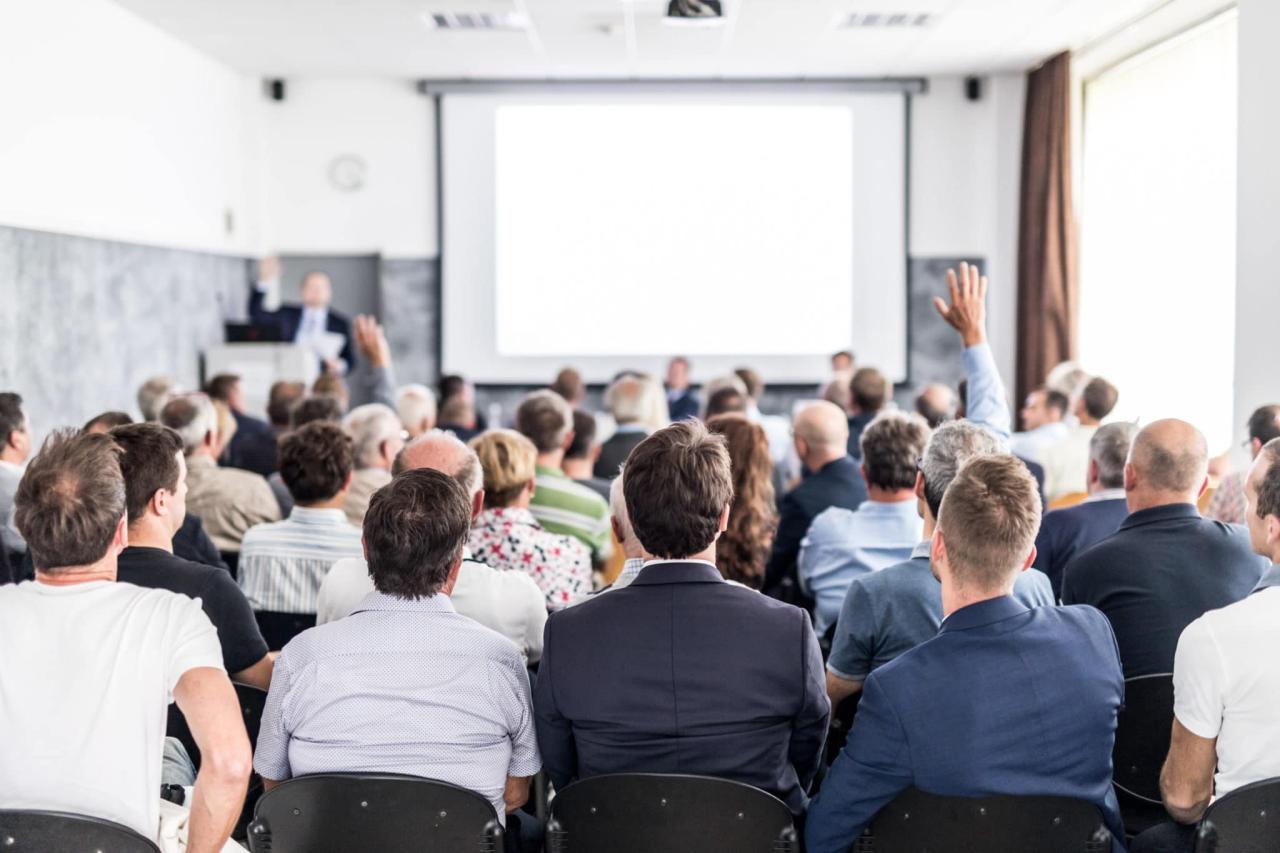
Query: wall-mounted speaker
x,y
275,89
973,88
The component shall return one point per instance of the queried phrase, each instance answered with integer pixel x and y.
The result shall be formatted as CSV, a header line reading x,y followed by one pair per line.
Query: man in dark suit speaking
x,y
305,324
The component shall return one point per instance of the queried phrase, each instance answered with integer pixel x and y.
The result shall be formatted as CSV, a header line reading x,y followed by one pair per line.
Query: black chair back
x,y
388,813
44,832
279,628
1245,821
643,812
917,821
1142,736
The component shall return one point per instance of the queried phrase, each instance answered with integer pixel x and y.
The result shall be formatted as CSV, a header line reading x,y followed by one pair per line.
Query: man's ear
x,y
724,519
1092,474
1204,486
1031,559
568,440
920,485
595,453
120,539
1130,477
364,548
477,503
1273,528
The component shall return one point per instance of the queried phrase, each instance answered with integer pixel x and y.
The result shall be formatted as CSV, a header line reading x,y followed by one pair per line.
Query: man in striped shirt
x,y
559,504
283,563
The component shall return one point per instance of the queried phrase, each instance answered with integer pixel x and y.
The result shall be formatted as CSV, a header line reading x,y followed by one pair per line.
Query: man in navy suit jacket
x,y
1004,700
682,402
300,323
682,671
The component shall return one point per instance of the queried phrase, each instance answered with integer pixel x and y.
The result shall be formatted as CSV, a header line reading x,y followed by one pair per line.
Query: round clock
x,y
346,173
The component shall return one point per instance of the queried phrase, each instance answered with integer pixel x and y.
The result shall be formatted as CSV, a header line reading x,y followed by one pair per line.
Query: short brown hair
x,y
568,384
1099,398
316,407
677,484
891,447
989,519
70,500
219,387
725,401
545,419
584,436
149,462
509,463
414,532
106,422
751,381
869,389
315,462
1269,485
284,394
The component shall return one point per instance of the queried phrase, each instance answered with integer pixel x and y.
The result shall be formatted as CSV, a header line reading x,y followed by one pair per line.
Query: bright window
x,y
1158,230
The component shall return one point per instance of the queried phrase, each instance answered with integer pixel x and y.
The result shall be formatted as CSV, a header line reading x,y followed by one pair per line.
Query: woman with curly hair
x,y
743,549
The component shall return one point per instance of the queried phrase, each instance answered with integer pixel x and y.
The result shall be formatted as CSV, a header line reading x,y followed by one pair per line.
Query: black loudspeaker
x,y
973,88
276,89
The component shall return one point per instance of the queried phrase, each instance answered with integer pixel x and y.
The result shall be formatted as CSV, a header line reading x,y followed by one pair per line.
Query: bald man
x,y
1166,565
507,602
831,478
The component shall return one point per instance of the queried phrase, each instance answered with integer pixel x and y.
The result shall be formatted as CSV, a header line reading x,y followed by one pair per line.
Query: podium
x,y
259,366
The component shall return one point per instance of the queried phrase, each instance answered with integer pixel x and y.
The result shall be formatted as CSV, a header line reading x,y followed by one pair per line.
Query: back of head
x,y
193,417
416,406
569,385
458,411
584,436
12,417
936,403
988,521
1099,398
823,427
751,382
726,401
1268,485
869,389
314,408
545,419
1170,459
315,462
837,393
1264,424
892,445
748,447
1057,402
414,532
283,397
331,384
678,485
70,500
149,463
947,450
104,422
442,451
1109,450
509,462
452,385
1067,378
625,399
222,387
152,396
371,426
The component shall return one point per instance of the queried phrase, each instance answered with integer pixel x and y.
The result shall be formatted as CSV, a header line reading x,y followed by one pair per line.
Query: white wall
x,y
111,128
383,122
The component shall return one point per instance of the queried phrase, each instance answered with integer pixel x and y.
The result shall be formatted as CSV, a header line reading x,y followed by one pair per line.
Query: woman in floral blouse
x,y
507,537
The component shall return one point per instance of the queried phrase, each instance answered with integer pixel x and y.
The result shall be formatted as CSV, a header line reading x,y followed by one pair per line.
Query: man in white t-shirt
x,y
1226,685
90,664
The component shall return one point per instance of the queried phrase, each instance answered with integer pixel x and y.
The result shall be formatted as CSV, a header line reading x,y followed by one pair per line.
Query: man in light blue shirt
x,y
845,544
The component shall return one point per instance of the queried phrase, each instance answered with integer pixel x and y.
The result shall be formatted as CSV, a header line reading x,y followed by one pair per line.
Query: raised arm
x,y
967,314
208,701
373,377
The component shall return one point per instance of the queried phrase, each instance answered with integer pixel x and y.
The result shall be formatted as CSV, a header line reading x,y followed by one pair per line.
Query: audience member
x,y
453,388
741,674
331,385
844,544
458,416
1069,379
155,479
582,453
981,393
315,407
1072,530
506,536
836,392
1042,425
373,379
229,501
377,436
1226,727
153,395
253,445
507,602
283,563
569,385
1166,565
416,406
936,403
106,422
631,548
1066,463
966,713
15,429
869,392
625,400
559,504
91,664
821,439
889,612
1227,503
682,402
842,362
725,401
309,324
778,429
743,548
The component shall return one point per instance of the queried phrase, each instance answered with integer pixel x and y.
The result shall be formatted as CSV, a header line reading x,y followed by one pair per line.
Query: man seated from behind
x,y
229,501
741,693
406,684
155,479
1004,700
1166,565
252,446
377,434
844,544
1066,463
90,665
581,455
869,392
1072,530
15,446
508,602
887,613
625,400
1227,503
1226,686
283,563
936,403
416,406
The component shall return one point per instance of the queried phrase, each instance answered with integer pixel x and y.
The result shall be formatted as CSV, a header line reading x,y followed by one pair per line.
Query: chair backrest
x,y
1247,820
643,812
252,701
1142,735
1005,824
279,628
1067,500
389,813
43,832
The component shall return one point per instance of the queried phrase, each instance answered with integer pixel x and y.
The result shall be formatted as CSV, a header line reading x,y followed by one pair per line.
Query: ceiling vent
x,y
885,20
472,21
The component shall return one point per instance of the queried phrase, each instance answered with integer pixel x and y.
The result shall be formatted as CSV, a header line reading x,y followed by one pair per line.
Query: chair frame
x,y
1207,839
122,833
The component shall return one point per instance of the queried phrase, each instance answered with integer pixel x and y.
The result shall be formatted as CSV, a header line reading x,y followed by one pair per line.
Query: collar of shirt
x,y
12,466
1106,495
889,509
1270,578
923,550
1157,514
983,613
326,517
381,602
314,318
545,471
628,428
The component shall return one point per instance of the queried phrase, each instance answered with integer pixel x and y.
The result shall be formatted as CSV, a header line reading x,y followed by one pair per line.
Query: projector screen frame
x,y
437,89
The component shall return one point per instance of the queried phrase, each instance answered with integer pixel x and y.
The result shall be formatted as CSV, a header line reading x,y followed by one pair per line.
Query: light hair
x,y
467,471
951,445
625,400
654,412
989,520
193,417
1109,450
509,461
226,424
618,506
1068,378
370,426
152,396
1169,466
720,383
545,418
416,404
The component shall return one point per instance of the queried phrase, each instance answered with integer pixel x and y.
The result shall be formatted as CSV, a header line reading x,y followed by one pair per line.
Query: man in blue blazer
x,y
1004,700
682,671
303,323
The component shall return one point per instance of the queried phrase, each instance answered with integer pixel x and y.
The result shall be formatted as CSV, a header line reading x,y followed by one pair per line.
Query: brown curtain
x,y
1048,295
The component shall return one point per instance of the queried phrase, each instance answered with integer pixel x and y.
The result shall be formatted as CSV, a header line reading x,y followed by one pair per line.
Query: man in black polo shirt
x,y
155,476
1166,565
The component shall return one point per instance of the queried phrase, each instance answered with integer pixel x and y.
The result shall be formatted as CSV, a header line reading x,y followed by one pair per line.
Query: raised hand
x,y
371,341
967,313
269,268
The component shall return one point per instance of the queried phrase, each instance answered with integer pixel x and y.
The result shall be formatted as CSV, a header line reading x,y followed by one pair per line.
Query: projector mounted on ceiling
x,y
475,20
705,13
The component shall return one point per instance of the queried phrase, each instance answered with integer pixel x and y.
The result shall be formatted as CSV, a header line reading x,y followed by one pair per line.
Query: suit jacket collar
x,y
836,467
677,571
1157,514
1270,578
983,613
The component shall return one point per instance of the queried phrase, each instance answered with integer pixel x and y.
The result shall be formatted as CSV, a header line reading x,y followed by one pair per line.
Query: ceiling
x,y
628,38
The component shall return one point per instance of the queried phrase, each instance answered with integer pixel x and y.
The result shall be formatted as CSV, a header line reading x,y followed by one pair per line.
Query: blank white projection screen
x,y
615,232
